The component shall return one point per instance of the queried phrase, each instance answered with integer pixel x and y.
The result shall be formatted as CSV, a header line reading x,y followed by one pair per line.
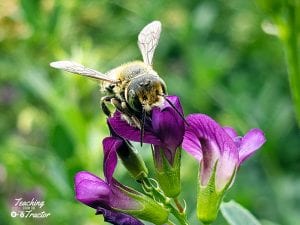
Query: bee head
x,y
145,92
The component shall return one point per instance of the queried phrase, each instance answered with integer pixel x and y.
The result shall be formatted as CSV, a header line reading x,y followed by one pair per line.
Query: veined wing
x,y
77,68
148,39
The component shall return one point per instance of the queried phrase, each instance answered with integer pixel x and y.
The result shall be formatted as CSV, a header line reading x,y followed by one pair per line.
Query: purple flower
x,y
113,199
220,152
96,193
164,130
209,143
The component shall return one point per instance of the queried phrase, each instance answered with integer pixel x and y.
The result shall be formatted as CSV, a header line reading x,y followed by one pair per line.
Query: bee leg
x,y
103,103
136,122
121,106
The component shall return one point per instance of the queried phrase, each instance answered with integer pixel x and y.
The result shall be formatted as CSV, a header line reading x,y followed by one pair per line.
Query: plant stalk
x,y
291,47
157,194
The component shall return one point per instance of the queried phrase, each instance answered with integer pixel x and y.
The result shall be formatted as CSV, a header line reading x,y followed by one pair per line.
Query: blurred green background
x,y
222,58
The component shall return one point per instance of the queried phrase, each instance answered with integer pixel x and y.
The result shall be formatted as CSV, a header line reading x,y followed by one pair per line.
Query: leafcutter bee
x,y
133,88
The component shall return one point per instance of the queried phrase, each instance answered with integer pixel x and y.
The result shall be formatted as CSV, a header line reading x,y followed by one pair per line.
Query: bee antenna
x,y
143,126
179,113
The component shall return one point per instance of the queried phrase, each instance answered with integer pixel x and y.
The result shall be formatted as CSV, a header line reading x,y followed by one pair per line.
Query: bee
x,y
133,88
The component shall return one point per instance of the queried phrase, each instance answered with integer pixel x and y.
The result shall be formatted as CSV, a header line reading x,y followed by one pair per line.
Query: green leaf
x,y
235,214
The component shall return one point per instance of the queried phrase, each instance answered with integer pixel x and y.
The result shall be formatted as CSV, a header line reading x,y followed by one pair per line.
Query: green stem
x,y
179,206
157,194
170,222
292,53
181,217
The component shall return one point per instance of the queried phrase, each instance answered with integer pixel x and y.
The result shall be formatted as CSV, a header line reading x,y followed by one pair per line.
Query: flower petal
x,y
123,129
117,218
91,190
206,129
251,142
176,103
110,147
191,145
123,197
231,132
225,171
167,124
216,145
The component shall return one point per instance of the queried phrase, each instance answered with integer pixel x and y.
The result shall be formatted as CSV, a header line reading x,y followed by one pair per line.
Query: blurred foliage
x,y
218,56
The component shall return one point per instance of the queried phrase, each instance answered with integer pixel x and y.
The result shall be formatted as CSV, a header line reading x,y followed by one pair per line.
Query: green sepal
x,y
209,199
148,209
133,161
168,176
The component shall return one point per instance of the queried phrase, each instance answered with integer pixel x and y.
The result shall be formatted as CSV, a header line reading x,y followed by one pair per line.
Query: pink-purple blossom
x,y
164,129
96,193
220,151
119,204
213,145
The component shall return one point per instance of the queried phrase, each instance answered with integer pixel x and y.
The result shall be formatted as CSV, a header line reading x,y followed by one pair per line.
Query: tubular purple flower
x,y
95,192
164,130
220,152
118,204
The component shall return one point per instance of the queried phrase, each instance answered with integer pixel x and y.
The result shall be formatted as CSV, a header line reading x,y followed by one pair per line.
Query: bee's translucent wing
x,y
77,68
148,40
